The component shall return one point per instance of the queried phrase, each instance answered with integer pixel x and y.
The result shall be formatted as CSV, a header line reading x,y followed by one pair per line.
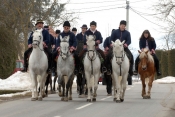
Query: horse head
x,y
64,47
118,51
90,45
37,38
145,57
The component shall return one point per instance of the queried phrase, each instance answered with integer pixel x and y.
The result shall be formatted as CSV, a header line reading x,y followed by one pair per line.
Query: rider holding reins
x,y
45,33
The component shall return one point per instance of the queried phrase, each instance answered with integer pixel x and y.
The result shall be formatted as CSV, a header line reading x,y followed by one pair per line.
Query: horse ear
x,y
68,37
87,37
139,51
123,42
61,38
146,52
112,43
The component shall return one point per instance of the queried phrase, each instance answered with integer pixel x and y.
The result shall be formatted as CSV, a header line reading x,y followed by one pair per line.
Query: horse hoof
x,y
94,99
81,96
60,94
118,101
121,100
114,99
148,97
62,99
145,97
66,99
40,99
33,99
109,94
88,100
70,98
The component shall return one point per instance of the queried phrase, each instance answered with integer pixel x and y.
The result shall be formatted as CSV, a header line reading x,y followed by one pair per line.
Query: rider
x,y
146,41
98,40
74,30
72,42
106,46
80,40
122,35
39,25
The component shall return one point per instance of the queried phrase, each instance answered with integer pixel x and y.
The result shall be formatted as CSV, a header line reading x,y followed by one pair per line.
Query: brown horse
x,y
147,70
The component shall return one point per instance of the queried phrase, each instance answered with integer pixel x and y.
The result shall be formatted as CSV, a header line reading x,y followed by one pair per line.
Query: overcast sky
x,y
109,13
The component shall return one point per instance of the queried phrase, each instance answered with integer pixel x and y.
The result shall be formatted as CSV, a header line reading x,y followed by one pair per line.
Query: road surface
x,y
161,104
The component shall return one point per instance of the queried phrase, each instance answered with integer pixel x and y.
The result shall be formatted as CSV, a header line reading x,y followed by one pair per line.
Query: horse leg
x,y
96,78
70,92
67,84
114,86
34,86
55,78
143,87
118,85
124,80
150,86
89,87
50,82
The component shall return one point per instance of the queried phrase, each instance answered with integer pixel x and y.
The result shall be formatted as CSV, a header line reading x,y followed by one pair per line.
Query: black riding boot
x,y
156,64
81,56
49,60
26,53
76,63
136,66
130,56
54,63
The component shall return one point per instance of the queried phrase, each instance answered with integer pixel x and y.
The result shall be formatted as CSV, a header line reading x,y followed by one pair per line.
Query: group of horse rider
x,y
78,46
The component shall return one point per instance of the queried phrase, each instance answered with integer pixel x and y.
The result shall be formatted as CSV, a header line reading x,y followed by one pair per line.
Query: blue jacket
x,y
122,35
80,36
107,42
72,39
97,35
151,44
45,37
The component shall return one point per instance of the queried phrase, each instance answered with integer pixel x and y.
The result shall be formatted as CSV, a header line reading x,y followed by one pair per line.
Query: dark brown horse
x,y
146,69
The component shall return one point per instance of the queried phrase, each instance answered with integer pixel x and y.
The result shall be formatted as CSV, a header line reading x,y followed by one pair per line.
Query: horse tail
x,y
92,81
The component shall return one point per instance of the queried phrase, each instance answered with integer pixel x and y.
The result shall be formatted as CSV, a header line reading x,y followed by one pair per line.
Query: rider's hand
x,y
98,41
125,45
72,49
106,49
58,49
53,46
153,51
30,45
85,46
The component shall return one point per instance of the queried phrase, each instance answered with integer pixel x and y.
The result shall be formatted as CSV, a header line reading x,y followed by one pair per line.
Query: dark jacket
x,y
122,35
72,39
151,44
45,37
107,42
97,35
51,41
80,42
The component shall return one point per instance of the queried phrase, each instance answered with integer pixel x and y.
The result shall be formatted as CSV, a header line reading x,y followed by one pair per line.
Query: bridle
x,y
62,53
122,57
38,43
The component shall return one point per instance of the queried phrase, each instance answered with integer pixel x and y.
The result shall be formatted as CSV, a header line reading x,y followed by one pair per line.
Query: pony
x,y
146,70
120,68
38,64
65,68
92,67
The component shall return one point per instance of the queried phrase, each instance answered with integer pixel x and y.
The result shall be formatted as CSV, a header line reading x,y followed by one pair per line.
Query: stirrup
x,y
104,70
108,72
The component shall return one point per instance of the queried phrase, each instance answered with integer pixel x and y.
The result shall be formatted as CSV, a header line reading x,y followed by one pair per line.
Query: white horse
x,y
65,68
120,67
38,64
92,66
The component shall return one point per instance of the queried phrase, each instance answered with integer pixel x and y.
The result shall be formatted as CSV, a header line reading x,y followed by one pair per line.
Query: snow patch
x,y
17,81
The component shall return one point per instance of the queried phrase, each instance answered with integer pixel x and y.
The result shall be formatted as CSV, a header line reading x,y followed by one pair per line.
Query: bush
x,y
164,63
171,62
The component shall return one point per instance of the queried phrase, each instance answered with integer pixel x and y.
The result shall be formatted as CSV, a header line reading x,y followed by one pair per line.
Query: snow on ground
x,y
17,81
168,79
22,81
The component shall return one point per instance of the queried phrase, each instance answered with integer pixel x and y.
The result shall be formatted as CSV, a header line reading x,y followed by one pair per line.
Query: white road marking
x,y
84,106
57,116
132,86
128,88
106,98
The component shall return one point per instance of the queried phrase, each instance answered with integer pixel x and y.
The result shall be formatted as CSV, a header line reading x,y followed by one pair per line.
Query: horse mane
x,y
143,54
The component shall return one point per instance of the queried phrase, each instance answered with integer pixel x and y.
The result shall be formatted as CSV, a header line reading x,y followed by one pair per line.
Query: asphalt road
x,y
161,104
